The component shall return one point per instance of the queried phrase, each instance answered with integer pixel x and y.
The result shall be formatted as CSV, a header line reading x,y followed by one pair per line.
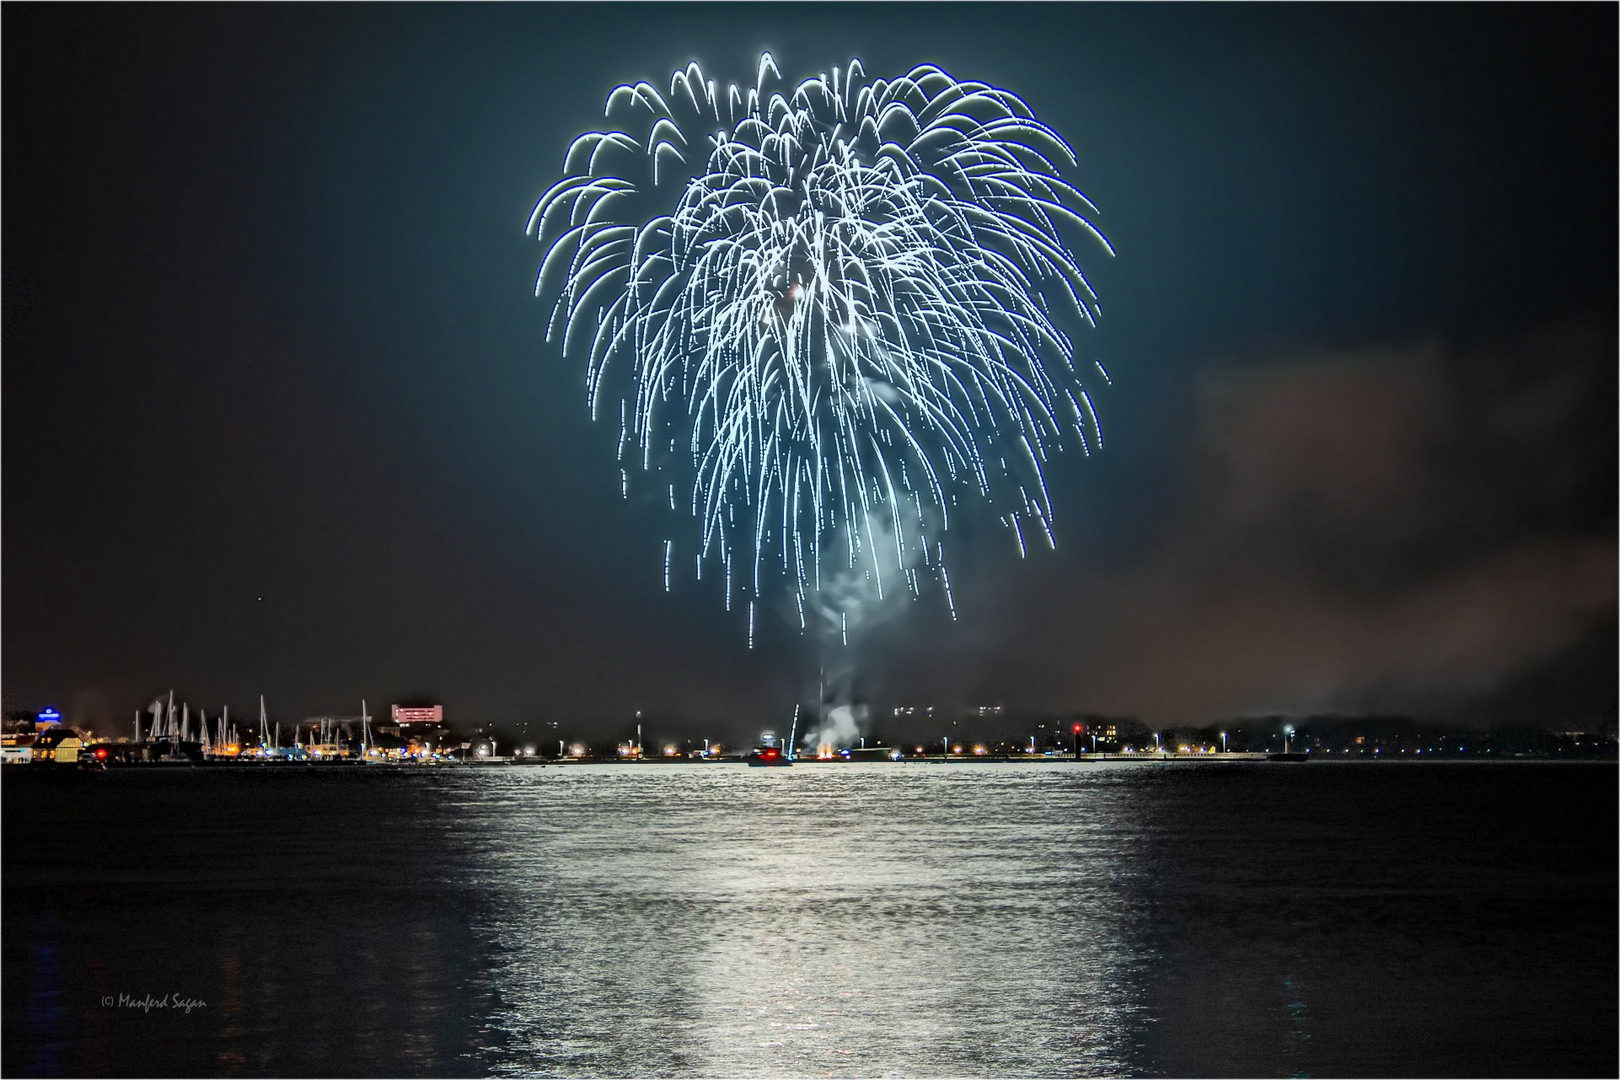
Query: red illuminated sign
x,y
431,715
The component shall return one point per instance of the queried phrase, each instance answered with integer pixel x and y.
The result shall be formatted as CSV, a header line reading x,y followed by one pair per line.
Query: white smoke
x,y
851,603
857,589
843,727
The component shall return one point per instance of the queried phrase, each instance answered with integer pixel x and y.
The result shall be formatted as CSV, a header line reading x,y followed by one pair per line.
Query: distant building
x,y
59,745
17,748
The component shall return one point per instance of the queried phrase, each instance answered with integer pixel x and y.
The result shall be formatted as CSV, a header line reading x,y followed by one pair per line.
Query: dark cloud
x,y
1359,530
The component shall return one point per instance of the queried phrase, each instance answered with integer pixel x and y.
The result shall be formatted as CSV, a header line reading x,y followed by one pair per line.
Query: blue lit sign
x,y
48,715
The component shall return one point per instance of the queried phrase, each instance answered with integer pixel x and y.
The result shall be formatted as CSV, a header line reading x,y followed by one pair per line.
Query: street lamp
x,y
1223,742
1157,749
1288,733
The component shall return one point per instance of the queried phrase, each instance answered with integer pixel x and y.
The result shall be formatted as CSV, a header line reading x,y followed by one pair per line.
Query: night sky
x,y
280,418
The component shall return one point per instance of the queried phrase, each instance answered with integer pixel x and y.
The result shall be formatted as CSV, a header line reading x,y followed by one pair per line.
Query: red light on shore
x,y
1078,728
101,753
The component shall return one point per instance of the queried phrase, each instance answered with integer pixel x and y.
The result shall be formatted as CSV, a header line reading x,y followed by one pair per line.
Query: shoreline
x,y
379,768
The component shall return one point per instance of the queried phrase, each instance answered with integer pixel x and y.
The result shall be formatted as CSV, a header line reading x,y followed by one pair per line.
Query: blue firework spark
x,y
829,313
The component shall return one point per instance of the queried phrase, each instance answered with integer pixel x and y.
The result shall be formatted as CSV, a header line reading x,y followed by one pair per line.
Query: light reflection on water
x,y
842,924
981,919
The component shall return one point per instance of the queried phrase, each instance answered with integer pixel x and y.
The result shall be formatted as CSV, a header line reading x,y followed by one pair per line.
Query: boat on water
x,y
768,754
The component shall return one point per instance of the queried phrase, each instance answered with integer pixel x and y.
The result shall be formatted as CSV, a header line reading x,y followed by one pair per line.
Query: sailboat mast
x,y
821,708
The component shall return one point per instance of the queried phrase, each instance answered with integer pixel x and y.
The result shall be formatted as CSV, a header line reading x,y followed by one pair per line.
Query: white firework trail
x,y
825,306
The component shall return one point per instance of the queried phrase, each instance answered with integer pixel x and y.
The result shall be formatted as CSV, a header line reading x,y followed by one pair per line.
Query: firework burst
x,y
827,313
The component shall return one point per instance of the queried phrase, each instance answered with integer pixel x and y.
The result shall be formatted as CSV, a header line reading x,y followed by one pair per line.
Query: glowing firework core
x,y
836,309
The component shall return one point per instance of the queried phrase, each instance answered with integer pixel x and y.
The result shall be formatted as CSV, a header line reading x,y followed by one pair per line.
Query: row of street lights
x,y
1158,746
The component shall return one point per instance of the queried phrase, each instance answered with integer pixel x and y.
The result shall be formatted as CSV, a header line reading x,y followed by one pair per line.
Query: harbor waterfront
x,y
420,735
1232,918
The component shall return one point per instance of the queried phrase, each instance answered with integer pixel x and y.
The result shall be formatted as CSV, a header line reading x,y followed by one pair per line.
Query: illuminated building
x,y
60,745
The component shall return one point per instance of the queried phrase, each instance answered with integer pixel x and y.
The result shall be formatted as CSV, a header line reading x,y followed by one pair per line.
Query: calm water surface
x,y
864,920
